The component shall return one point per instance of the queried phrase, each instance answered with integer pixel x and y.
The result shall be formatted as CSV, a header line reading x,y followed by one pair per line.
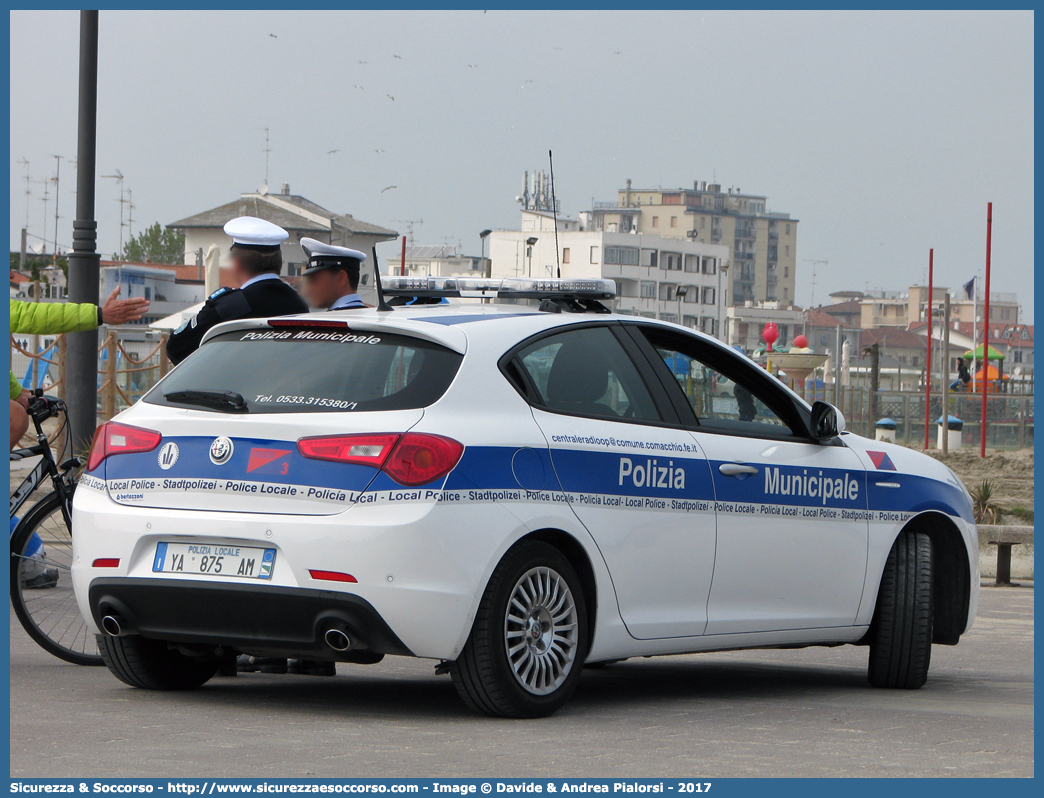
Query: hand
x,y
23,400
120,311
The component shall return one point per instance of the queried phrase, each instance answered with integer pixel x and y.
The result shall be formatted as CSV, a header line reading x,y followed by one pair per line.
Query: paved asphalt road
x,y
758,713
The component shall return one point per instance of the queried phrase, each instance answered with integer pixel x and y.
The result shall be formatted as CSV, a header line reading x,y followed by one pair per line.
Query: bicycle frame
x,y
47,467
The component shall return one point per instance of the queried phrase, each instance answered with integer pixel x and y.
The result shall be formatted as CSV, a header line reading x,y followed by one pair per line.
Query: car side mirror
x,y
827,421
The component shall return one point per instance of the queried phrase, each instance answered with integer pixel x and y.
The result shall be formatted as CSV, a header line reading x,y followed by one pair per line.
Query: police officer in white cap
x,y
331,280
255,263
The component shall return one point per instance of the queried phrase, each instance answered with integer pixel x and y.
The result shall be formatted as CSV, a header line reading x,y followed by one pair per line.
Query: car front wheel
x,y
901,632
527,647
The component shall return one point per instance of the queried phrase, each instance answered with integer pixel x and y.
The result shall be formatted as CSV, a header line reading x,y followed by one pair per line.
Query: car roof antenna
x,y
554,212
382,305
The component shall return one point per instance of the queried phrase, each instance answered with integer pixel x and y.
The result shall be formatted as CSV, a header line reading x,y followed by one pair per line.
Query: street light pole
x,y
487,267
680,293
723,302
82,355
530,242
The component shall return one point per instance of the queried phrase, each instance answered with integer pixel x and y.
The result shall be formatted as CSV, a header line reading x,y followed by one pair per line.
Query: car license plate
x,y
212,559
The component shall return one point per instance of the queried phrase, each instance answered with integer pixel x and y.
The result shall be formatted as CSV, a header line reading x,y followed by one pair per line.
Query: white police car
x,y
510,490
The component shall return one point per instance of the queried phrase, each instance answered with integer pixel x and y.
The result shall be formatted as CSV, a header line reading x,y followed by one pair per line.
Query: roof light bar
x,y
507,287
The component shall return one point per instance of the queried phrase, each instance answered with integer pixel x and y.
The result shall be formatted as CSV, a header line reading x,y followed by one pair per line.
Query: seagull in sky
x,y
273,36
389,188
378,150
400,58
331,152
390,97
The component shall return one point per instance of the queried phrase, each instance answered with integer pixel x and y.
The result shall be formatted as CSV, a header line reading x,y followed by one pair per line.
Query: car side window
x,y
587,372
719,401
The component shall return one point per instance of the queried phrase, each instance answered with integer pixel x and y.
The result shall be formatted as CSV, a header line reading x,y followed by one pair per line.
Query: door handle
x,y
737,469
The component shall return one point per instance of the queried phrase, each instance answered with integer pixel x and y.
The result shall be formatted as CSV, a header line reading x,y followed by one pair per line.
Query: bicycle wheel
x,y
41,585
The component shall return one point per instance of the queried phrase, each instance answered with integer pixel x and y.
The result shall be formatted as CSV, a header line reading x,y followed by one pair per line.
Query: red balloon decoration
x,y
801,342
770,333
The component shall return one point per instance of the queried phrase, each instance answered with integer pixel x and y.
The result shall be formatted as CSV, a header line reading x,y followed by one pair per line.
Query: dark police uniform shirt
x,y
261,299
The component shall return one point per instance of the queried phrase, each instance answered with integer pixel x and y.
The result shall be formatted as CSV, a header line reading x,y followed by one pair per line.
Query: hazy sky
x,y
885,133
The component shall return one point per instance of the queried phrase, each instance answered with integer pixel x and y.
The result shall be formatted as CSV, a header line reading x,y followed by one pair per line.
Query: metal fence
x,y
130,361
1009,417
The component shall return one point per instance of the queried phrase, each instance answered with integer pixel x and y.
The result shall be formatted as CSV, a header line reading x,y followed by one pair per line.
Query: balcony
x,y
745,234
773,235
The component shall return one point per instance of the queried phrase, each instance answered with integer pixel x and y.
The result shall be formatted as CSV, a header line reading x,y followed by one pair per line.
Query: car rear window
x,y
310,370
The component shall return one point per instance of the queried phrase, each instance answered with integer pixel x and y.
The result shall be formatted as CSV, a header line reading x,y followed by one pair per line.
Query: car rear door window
x,y
586,371
308,370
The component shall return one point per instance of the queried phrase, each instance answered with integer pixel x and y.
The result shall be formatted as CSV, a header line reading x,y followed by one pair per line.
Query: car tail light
x,y
106,562
415,458
418,458
360,449
115,438
306,323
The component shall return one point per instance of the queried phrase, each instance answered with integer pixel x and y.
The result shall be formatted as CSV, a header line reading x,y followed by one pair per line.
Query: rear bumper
x,y
252,619
421,566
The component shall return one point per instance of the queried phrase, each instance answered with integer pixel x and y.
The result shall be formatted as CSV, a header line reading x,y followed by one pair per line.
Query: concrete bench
x,y
1004,537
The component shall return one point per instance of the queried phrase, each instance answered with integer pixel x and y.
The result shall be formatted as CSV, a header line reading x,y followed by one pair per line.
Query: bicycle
x,y
41,549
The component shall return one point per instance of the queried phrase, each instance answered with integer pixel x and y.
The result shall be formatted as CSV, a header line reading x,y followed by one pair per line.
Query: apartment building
x,y
903,308
762,245
674,279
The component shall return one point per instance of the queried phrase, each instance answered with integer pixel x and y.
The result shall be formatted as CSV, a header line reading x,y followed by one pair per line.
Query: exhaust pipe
x,y
337,640
111,626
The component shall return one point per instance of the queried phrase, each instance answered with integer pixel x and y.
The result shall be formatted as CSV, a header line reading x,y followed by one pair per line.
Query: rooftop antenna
x,y
815,263
266,150
409,227
554,211
46,199
130,214
28,190
382,305
118,177
57,176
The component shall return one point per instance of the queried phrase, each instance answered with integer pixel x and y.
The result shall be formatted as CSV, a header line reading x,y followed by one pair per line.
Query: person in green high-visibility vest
x,y
53,318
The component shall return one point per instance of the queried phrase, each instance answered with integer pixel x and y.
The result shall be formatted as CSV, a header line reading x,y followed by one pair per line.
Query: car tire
x,y
152,665
901,631
527,646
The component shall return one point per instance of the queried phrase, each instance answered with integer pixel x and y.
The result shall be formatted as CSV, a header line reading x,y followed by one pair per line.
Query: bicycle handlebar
x,y
43,407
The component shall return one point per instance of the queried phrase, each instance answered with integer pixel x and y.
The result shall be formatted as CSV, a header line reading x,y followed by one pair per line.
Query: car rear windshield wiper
x,y
229,401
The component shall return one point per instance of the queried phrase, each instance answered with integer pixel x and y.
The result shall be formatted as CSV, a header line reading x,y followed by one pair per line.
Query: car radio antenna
x,y
381,304
554,212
